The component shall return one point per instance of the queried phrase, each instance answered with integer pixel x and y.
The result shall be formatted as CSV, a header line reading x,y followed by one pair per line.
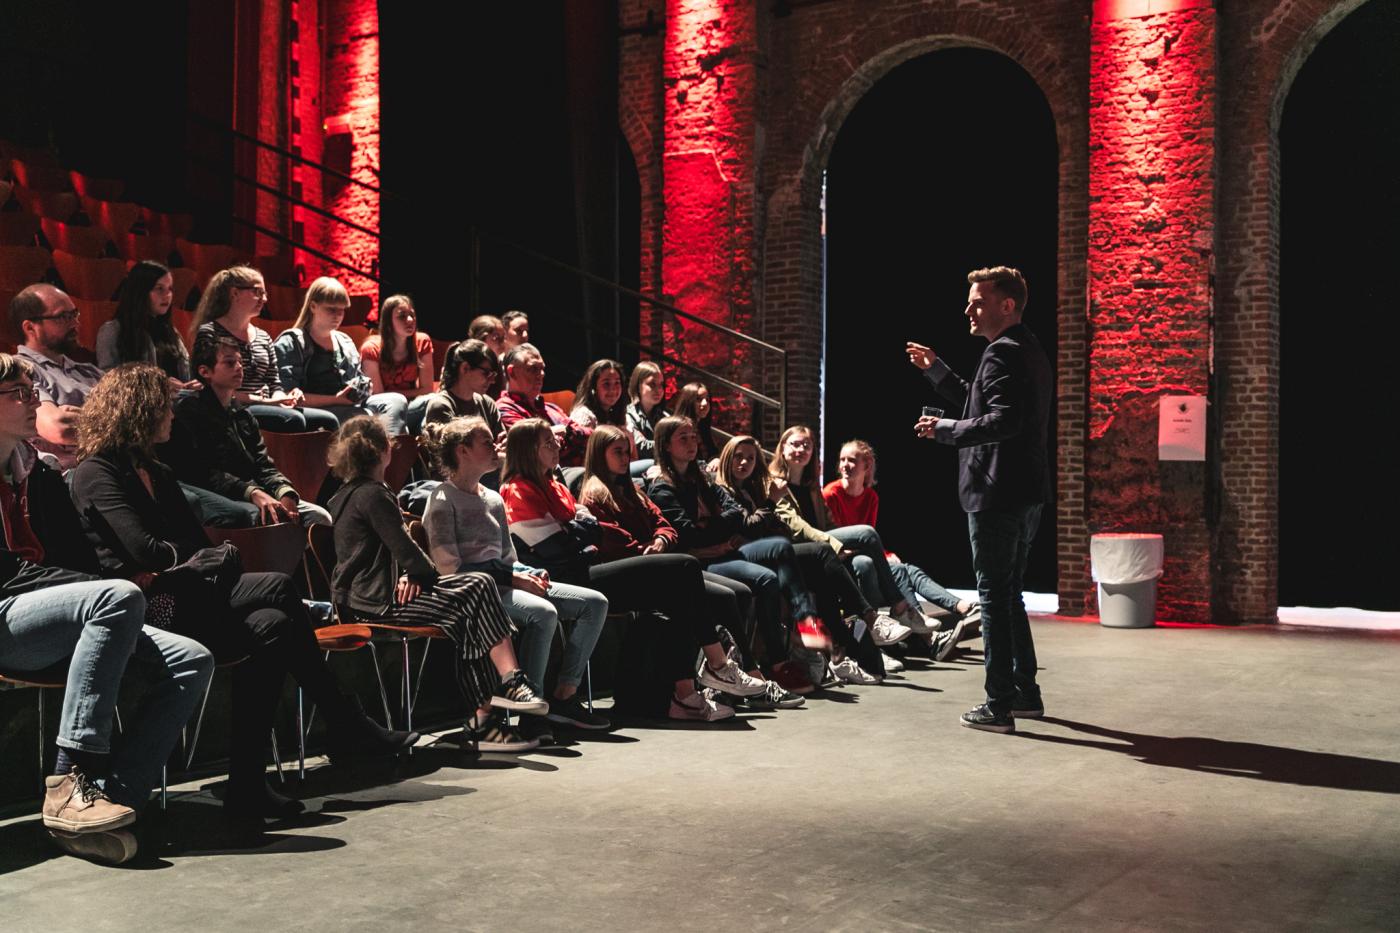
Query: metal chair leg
x,y
588,679
42,787
301,741
383,694
277,758
422,665
198,723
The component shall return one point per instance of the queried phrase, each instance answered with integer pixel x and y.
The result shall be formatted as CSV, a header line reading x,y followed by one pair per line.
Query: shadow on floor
x,y
1236,759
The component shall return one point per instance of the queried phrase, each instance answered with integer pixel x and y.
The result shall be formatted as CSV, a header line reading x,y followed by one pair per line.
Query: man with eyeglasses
x,y
45,320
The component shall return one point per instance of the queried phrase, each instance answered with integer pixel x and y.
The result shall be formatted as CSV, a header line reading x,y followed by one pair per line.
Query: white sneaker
x,y
969,626
887,631
849,672
699,707
917,622
731,679
892,665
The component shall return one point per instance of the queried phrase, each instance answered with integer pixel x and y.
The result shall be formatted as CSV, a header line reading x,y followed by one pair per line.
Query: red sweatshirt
x,y
851,510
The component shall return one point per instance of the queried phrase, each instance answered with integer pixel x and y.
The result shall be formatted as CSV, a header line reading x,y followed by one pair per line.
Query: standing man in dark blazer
x,y
1003,480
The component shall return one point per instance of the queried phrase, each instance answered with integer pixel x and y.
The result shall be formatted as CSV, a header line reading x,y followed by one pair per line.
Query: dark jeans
x,y
283,420
673,585
1001,543
838,596
282,642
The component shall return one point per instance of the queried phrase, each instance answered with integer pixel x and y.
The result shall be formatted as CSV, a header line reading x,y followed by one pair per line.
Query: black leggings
x,y
674,585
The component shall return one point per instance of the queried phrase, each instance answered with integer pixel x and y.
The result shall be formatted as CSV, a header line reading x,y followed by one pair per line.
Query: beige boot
x,y
73,804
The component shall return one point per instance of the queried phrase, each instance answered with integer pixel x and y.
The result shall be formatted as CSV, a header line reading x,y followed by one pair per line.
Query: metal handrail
x,y
477,236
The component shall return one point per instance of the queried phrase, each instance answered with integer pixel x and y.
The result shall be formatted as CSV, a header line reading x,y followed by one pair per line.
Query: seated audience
x,y
53,607
489,330
232,299
598,398
400,358
382,575
693,402
45,320
468,531
838,594
645,391
852,500
468,371
137,518
517,325
804,511
313,355
218,454
710,525
140,331
637,569
524,369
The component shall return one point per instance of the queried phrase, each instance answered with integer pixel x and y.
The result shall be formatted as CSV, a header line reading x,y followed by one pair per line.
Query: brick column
x,y
1151,197
708,168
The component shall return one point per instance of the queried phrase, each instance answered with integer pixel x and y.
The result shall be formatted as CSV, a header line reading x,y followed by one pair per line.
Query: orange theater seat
x,y
61,205
186,283
90,242
116,217
94,315
90,186
89,278
155,247
21,266
18,229
171,225
40,177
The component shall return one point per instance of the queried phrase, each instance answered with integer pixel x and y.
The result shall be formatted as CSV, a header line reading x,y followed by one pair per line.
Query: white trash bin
x,y
1126,568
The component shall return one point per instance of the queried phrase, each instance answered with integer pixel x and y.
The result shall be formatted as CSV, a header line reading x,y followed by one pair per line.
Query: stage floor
x,y
1221,779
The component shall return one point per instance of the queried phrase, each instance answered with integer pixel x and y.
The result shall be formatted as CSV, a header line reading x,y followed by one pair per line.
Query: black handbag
x,y
192,599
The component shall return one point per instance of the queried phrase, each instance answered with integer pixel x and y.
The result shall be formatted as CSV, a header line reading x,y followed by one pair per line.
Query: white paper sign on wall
x,y
1181,428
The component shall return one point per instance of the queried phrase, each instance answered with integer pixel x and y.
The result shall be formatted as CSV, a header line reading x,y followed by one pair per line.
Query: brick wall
x,y
1151,245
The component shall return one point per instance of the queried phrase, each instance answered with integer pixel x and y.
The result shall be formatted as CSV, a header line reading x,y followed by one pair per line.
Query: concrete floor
x,y
1189,779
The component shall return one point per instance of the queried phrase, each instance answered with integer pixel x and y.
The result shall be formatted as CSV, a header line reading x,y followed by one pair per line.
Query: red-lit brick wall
x,y
1151,247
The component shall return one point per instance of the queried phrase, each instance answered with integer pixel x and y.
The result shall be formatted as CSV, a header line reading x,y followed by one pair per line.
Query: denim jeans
x,y
869,565
99,624
413,415
767,596
281,419
1001,543
914,583
777,555
216,511
538,616
389,406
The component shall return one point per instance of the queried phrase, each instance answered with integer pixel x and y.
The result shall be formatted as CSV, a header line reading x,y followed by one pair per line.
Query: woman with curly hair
x,y
231,300
136,517
383,575
141,331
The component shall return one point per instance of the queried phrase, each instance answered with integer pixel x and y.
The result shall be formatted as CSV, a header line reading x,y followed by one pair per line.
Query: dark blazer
x,y
1001,436
133,531
221,449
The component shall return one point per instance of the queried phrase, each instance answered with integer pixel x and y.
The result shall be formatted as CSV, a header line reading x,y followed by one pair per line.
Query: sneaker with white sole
x,y
515,692
495,734
731,679
775,697
915,620
892,665
886,631
944,644
848,671
970,625
699,707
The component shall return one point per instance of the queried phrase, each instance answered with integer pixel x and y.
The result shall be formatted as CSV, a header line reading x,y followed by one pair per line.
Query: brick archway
x,y
1262,52
803,130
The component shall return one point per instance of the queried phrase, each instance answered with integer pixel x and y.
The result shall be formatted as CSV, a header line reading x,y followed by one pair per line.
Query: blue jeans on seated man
x,y
1001,544
216,511
98,624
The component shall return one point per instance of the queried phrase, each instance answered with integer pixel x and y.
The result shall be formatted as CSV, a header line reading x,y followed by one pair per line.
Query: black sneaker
x,y
496,735
1024,709
775,697
571,712
515,692
981,717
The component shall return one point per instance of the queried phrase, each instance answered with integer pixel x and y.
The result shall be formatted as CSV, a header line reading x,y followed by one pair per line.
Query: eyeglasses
x,y
26,394
485,371
67,317
257,290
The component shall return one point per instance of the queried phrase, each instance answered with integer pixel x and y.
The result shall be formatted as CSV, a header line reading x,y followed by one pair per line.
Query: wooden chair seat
x,y
22,266
60,205
407,631
18,229
116,217
54,676
343,637
82,277
90,242
90,186
301,457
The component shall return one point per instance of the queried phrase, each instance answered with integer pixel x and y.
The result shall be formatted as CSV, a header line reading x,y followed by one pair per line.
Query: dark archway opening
x,y
1339,319
947,164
